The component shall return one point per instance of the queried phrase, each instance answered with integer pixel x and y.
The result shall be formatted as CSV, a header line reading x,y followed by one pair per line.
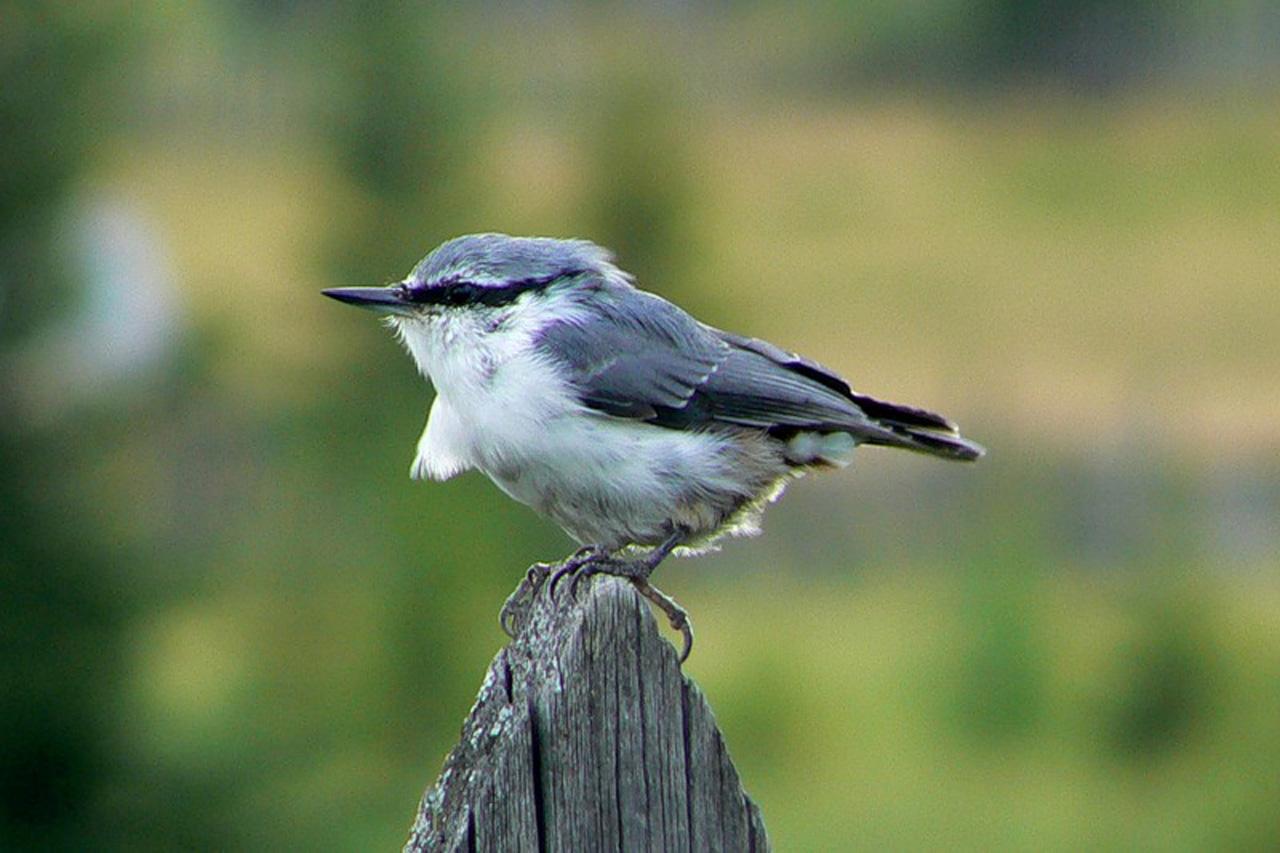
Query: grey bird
x,y
638,429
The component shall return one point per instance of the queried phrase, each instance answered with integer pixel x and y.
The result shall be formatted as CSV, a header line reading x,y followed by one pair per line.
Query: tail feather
x,y
907,416
947,446
916,429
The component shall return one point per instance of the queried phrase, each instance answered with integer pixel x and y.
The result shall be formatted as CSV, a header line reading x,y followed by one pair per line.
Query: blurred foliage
x,y
230,620
640,208
63,620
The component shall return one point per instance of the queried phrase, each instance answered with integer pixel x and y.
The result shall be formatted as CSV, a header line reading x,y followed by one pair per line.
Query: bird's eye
x,y
462,293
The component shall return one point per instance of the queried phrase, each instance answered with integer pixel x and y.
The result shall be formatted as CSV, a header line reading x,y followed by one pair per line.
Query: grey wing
x,y
633,354
824,376
762,385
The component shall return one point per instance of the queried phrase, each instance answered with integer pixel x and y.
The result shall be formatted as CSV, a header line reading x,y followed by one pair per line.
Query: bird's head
x,y
480,279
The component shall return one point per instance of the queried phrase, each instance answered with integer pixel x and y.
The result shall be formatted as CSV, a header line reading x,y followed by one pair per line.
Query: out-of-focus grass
x,y
871,713
1090,278
1091,266
1124,251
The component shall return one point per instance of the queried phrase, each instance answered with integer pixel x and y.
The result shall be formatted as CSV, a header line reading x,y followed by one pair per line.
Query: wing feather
x,y
631,354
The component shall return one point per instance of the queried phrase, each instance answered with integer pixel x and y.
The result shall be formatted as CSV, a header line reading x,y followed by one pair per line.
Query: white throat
x,y
494,390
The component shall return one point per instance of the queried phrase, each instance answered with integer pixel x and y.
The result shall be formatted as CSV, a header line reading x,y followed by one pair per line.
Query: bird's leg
x,y
677,616
638,568
517,604
638,571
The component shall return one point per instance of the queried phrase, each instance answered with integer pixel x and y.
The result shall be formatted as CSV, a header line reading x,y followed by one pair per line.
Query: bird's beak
x,y
384,300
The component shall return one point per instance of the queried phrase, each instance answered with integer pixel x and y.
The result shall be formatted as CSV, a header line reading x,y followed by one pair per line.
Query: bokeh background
x,y
229,619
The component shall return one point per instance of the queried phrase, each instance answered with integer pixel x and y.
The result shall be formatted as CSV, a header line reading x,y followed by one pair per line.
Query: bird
x,y
638,429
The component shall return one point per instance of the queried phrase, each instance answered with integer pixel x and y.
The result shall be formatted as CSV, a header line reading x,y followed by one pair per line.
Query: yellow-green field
x,y
1067,279
236,624
1076,271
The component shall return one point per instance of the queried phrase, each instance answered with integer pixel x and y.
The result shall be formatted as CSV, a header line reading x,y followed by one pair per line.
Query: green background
x,y
230,620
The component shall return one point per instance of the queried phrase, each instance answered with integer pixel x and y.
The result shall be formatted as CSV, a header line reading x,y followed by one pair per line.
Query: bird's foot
x,y
593,560
587,552
677,616
574,563
516,607
637,572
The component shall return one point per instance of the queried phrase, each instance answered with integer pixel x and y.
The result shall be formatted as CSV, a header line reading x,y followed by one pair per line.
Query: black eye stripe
x,y
459,292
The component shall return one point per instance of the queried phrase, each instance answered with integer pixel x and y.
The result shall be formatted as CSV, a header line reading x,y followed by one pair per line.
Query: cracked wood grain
x,y
586,736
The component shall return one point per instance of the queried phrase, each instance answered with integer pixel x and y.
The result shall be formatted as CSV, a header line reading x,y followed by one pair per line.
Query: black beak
x,y
384,300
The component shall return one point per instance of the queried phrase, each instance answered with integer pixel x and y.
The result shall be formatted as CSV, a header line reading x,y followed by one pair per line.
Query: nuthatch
x,y
636,428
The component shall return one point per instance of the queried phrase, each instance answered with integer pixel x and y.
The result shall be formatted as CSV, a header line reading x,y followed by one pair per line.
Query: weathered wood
x,y
587,736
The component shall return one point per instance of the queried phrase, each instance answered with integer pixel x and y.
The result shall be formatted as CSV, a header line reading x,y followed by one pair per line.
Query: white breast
x,y
493,394
503,409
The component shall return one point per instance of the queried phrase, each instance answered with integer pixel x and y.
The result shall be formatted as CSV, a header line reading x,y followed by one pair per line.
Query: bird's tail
x,y
894,425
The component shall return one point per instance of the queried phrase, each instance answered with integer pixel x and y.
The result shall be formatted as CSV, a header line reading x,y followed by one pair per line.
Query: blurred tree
x,y
63,68
1165,682
403,130
640,182
1089,45
1092,43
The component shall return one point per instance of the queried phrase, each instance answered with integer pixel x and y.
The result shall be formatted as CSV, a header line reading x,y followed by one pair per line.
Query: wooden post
x,y
587,736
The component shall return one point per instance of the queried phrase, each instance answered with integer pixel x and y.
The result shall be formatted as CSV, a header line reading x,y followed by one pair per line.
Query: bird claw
x,y
586,552
587,562
517,604
637,572
566,568
579,560
676,615
598,566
